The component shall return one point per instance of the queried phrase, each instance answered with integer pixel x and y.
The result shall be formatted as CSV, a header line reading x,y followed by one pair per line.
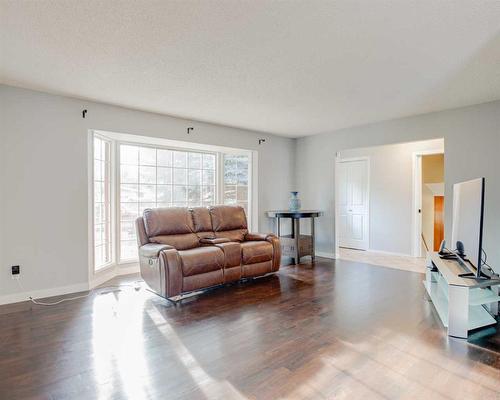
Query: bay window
x,y
151,175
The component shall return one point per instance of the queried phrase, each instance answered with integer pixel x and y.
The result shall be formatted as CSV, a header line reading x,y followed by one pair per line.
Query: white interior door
x,y
353,209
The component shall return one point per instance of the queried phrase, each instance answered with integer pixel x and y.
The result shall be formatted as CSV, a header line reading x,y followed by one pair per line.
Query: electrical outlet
x,y
15,271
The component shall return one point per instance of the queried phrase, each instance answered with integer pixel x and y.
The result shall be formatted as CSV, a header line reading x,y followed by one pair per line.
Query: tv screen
x,y
468,209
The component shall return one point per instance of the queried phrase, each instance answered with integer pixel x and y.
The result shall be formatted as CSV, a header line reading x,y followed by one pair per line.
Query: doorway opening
x,y
387,200
429,202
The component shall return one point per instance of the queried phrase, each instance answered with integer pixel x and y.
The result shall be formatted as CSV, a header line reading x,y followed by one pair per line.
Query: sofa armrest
x,y
257,236
161,268
153,250
214,240
274,240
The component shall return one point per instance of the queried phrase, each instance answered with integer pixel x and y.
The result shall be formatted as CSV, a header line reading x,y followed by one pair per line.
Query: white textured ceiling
x,y
288,67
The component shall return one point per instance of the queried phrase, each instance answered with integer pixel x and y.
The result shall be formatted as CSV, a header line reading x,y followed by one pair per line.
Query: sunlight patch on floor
x,y
405,263
211,388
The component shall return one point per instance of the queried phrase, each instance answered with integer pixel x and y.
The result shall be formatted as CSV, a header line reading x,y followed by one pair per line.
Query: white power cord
x,y
136,286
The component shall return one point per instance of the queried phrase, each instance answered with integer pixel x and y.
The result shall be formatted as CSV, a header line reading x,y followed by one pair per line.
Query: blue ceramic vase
x,y
294,202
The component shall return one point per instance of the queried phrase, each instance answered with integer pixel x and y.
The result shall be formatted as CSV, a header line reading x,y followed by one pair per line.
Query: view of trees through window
x,y
154,177
236,180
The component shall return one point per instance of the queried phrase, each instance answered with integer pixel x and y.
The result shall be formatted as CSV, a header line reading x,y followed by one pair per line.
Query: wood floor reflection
x,y
341,330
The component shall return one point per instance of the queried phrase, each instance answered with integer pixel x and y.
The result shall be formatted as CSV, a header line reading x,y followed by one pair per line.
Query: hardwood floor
x,y
340,330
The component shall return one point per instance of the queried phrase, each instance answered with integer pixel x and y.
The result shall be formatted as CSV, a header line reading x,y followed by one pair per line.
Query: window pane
x,y
230,194
164,193
208,177
129,211
242,162
147,193
98,192
194,177
102,203
180,176
127,231
97,149
208,161
98,234
180,194
242,193
147,156
236,172
164,158
98,256
129,174
194,195
164,175
243,177
147,174
98,170
180,159
161,178
194,160
128,250
129,155
106,250
208,194
230,176
99,213
129,193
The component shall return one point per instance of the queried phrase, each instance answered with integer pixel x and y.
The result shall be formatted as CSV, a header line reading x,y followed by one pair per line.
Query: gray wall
x,y
472,143
391,193
43,178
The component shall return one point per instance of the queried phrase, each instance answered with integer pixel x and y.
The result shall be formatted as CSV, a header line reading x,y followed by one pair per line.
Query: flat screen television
x,y
467,230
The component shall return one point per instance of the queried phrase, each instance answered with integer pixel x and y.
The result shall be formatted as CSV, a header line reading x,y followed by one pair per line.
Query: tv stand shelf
x,y
462,304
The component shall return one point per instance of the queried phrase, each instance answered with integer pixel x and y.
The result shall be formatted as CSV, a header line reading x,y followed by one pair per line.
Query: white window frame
x,y
117,144
117,139
112,213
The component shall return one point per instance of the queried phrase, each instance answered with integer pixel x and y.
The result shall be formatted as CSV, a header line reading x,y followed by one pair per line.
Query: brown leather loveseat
x,y
186,249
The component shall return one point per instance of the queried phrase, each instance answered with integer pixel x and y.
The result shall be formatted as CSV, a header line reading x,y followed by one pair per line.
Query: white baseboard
x,y
112,272
102,276
97,280
39,294
323,254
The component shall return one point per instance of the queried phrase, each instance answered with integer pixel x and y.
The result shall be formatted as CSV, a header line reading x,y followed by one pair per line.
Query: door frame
x,y
417,198
339,159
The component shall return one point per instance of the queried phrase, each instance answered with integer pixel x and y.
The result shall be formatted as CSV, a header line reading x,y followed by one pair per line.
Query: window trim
x,y
112,204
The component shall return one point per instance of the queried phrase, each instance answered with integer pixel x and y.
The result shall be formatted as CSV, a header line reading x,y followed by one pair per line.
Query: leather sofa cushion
x,y
236,235
180,242
201,260
225,218
168,221
256,252
201,281
201,219
257,269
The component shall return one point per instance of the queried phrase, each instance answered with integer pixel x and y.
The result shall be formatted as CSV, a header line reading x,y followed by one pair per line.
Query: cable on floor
x,y
136,286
